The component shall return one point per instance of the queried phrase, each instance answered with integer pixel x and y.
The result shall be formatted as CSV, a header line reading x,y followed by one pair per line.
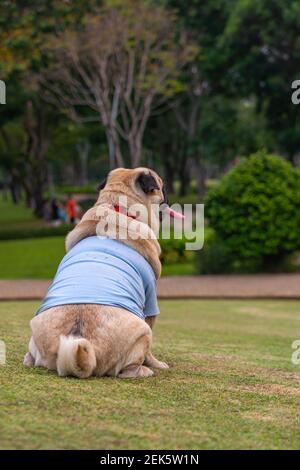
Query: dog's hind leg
x,y
29,358
150,359
133,366
33,357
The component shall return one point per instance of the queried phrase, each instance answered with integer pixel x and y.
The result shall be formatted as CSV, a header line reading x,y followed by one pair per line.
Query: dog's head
x,y
139,193
143,183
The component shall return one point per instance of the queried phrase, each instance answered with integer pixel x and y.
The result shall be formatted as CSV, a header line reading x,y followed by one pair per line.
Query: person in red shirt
x,y
71,209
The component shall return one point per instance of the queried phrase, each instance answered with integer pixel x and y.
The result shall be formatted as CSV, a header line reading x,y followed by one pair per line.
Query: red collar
x,y
123,210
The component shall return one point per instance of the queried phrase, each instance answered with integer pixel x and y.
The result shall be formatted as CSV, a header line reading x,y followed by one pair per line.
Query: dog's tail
x,y
76,356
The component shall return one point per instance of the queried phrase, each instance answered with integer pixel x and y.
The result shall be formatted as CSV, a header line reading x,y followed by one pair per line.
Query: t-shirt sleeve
x,y
151,305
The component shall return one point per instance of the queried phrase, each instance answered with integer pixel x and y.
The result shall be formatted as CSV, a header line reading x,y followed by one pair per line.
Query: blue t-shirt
x,y
100,270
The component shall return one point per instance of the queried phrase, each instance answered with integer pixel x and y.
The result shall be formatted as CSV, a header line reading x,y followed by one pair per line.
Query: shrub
x,y
255,212
173,251
34,232
90,188
214,258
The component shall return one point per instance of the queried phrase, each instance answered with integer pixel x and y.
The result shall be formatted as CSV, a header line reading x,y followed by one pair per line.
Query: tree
x,y
187,113
26,122
249,53
205,23
119,69
255,212
261,53
23,149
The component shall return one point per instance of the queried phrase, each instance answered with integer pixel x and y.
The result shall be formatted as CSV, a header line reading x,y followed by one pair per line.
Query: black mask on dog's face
x,y
147,183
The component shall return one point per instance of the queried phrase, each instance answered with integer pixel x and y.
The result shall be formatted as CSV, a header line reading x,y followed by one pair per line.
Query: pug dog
x,y
99,312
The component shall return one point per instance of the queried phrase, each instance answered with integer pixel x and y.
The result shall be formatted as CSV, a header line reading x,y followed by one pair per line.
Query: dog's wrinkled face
x,y
139,193
143,183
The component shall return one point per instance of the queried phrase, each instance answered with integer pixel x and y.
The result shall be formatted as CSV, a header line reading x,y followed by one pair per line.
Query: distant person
x,y
47,211
62,212
71,209
55,216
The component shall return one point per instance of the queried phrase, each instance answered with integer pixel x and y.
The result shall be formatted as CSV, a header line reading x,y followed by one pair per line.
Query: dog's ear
x,y
147,182
101,185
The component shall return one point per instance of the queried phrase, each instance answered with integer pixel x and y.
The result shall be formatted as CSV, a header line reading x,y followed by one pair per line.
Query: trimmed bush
x,y
214,258
255,212
173,251
34,232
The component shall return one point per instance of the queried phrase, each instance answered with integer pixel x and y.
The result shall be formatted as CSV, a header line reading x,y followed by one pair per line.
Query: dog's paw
x,y
162,365
28,360
146,372
134,371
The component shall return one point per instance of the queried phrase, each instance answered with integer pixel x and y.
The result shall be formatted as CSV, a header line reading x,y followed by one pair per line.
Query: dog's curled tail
x,y
76,356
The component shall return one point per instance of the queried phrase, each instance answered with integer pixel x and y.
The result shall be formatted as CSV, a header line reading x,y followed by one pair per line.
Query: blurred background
x,y
200,91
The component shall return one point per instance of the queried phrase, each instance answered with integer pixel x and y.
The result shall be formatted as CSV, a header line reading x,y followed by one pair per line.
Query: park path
x,y
256,286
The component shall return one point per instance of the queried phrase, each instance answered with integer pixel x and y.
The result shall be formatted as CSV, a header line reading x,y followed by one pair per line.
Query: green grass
x,y
36,258
17,222
231,385
39,258
179,269
30,248
11,213
17,216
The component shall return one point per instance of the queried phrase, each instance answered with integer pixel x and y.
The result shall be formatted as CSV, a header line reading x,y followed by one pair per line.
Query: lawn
x,y
38,258
17,216
231,385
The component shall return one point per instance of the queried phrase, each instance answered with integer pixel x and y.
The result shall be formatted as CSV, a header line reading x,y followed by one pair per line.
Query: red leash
x,y
122,210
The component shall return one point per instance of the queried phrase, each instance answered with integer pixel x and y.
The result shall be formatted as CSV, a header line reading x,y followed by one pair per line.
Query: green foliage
x,y
173,251
255,211
214,258
35,258
19,233
89,188
245,57
261,50
178,269
218,136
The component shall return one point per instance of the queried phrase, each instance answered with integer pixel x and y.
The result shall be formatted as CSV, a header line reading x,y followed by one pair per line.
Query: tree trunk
x,y
292,158
83,169
50,175
14,190
38,202
114,150
169,178
35,168
169,170
184,175
111,151
83,149
135,150
199,171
